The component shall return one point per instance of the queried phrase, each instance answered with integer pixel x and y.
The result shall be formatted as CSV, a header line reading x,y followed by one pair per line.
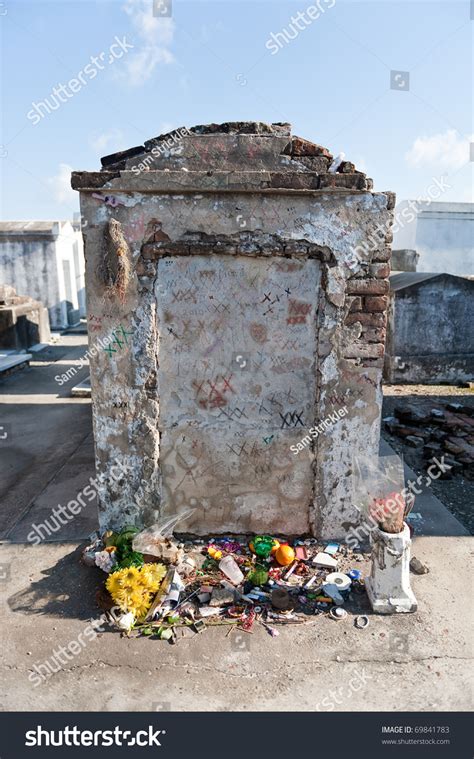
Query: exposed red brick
x,y
149,251
294,180
355,303
379,270
391,200
299,146
367,320
347,181
375,335
95,179
183,249
367,287
373,363
384,254
405,430
160,236
347,167
375,303
364,350
319,164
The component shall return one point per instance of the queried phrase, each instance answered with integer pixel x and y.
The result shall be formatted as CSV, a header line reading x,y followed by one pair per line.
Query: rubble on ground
x,y
417,566
445,430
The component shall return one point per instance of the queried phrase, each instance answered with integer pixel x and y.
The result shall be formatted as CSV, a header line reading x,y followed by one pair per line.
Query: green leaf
x,y
130,559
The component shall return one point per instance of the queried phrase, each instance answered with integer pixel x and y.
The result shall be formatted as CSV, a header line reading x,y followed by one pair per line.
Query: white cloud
x,y
114,137
155,34
152,29
140,66
61,185
448,150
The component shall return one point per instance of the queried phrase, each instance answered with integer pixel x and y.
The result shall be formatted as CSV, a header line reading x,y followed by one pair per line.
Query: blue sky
x,y
209,62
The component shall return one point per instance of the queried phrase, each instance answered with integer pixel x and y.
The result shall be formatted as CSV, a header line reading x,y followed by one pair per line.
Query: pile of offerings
x,y
157,586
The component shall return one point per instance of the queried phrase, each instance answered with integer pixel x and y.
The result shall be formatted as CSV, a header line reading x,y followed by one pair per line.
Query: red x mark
x,y
226,384
198,387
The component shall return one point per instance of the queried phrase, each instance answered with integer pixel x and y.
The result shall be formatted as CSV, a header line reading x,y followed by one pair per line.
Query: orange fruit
x,y
285,555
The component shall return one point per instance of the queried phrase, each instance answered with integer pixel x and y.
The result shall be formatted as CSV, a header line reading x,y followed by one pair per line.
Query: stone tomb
x,y
23,321
238,276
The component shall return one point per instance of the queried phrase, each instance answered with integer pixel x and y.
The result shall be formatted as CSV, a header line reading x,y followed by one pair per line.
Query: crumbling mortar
x,y
253,244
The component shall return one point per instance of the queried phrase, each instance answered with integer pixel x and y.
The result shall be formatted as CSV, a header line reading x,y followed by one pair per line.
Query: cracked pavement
x,y
421,660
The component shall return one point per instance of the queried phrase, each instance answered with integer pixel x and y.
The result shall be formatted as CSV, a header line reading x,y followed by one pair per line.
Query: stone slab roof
x,y
241,156
400,280
31,227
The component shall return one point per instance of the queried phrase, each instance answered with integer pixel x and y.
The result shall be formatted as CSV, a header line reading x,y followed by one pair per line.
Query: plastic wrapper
x,y
379,491
157,540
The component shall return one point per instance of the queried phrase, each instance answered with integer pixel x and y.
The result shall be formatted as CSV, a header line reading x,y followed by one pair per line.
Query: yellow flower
x,y
114,583
139,602
129,575
132,589
121,598
153,574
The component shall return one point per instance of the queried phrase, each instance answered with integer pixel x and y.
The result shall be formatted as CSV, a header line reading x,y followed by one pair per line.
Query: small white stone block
x,y
388,586
325,560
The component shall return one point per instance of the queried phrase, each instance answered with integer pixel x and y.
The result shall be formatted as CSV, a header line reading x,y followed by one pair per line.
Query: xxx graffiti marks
x,y
211,394
292,419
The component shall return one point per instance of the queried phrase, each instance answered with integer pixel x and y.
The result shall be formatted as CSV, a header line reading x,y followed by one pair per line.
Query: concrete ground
x,y
49,450
416,662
